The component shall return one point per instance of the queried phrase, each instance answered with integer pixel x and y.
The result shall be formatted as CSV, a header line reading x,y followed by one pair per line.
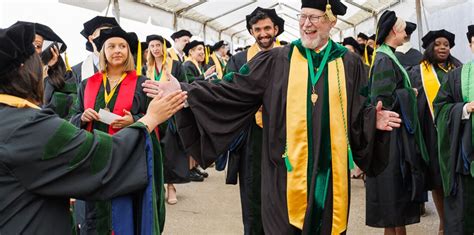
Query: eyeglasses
x,y
312,18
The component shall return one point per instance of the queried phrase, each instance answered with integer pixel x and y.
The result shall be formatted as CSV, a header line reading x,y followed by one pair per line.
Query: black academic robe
x,y
45,161
61,100
412,58
456,156
244,164
219,112
427,124
394,192
236,62
175,159
93,214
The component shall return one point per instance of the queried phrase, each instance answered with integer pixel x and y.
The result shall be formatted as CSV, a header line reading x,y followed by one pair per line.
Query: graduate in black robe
x,y
453,109
216,57
194,67
219,112
60,90
181,38
175,161
427,78
406,54
91,31
245,159
130,104
40,174
393,196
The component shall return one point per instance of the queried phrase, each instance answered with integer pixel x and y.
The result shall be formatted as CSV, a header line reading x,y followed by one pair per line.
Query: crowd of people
x,y
97,148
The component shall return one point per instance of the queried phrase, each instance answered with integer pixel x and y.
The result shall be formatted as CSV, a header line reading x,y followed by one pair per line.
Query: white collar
x,y
95,59
323,47
404,48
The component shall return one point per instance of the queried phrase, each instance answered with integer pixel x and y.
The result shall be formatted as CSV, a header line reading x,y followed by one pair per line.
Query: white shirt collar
x,y
95,59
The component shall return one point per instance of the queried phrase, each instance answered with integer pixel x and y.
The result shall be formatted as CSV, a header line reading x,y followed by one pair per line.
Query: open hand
x,y
386,120
161,108
152,88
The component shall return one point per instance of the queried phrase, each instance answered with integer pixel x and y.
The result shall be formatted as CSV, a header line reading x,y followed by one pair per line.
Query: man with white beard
x,y
315,122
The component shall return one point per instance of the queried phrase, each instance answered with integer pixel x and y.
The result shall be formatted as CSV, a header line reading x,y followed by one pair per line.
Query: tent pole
x,y
419,22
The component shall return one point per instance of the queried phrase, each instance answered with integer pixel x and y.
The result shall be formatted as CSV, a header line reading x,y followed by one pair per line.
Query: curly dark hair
x,y
429,56
25,81
260,16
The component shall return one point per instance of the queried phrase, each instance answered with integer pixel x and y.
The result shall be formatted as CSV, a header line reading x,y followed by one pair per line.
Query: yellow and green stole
x,y
467,90
430,82
219,67
299,132
161,76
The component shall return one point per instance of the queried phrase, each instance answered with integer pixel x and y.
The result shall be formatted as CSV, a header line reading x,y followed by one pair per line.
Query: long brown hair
x,y
150,62
25,81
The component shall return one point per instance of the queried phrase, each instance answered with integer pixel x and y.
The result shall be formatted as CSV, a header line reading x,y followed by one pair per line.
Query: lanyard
x,y
314,79
108,96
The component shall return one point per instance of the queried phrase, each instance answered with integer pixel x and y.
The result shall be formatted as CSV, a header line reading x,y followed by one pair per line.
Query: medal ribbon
x,y
314,79
108,96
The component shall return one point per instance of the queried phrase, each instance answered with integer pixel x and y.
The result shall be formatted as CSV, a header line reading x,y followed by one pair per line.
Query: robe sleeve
x,y
72,162
386,79
448,106
219,112
48,92
140,100
361,117
231,65
78,107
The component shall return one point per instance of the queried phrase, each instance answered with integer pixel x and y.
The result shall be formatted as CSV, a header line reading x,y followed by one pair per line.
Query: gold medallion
x,y
314,98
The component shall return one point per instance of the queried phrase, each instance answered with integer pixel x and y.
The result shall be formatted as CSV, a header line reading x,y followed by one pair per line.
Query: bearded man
x,y
314,119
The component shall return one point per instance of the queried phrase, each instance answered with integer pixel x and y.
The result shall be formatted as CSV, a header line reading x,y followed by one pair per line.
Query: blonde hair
x,y
128,65
399,25
150,63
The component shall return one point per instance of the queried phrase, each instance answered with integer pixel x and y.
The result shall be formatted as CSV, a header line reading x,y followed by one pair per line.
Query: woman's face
x,y
116,51
156,48
197,53
38,43
441,49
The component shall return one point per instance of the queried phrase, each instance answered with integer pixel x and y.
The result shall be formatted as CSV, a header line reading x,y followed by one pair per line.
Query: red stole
x,y
124,97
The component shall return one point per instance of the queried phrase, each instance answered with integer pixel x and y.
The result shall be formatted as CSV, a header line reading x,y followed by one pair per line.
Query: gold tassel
x,y
165,51
207,52
66,60
329,13
139,59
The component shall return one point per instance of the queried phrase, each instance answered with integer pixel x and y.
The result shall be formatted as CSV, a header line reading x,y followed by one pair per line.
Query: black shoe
x,y
194,176
201,172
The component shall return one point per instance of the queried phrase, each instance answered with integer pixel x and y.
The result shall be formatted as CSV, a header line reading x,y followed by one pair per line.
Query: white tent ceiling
x,y
227,17
213,20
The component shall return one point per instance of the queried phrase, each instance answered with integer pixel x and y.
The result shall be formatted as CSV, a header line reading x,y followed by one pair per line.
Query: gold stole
x,y
430,82
169,67
175,56
218,65
297,142
17,102
251,52
197,65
